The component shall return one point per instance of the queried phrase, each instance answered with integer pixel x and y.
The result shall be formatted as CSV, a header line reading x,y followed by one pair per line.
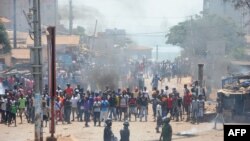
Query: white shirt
x,y
158,110
3,105
74,101
194,105
165,92
145,93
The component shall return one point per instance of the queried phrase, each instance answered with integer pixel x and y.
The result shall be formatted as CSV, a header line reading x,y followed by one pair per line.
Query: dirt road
x,y
140,131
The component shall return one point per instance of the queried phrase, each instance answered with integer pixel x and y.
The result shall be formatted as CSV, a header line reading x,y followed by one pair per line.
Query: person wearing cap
x,y
108,134
125,133
166,134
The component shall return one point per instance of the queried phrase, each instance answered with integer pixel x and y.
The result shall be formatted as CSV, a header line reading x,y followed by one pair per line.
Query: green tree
x,y
240,3
4,41
194,34
79,30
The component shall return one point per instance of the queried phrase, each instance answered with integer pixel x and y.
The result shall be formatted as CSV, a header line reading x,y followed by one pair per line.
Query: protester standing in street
x,y
155,81
123,105
187,100
195,110
97,111
74,101
219,116
86,110
112,106
68,91
144,104
21,106
13,111
132,107
104,108
67,109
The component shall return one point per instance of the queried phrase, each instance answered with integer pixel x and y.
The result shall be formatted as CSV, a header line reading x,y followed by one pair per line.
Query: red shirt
x,y
187,99
132,101
69,91
169,103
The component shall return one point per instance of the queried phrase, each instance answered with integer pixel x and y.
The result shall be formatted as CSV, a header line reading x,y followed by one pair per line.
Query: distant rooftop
x,y
69,40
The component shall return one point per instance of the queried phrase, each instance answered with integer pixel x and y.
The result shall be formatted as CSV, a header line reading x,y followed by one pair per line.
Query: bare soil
x,y
139,131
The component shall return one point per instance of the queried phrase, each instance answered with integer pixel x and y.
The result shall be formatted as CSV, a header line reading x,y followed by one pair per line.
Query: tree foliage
x,y
195,33
240,3
4,41
79,30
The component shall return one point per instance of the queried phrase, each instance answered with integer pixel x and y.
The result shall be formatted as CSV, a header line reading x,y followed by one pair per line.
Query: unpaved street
x,y
140,131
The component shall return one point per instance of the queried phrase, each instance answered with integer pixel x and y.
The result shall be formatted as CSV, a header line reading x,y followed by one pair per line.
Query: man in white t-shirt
x,y
3,102
165,91
74,101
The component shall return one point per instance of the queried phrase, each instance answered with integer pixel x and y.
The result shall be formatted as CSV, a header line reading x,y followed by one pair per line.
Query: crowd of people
x,y
76,103
123,104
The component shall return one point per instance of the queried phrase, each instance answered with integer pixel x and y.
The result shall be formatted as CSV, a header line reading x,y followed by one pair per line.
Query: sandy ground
x,y
140,131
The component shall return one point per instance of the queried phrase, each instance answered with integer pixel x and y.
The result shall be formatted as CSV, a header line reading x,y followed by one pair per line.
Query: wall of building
x,y
6,58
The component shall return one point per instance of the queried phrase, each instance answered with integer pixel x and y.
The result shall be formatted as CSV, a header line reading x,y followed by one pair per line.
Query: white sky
x,y
135,16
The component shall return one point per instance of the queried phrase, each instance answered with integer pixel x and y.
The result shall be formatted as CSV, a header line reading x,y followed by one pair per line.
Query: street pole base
x,y
51,139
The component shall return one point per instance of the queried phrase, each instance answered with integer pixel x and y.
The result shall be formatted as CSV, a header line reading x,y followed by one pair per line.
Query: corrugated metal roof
x,y
242,63
19,35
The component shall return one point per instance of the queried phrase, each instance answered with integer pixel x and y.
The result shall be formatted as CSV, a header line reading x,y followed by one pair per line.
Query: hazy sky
x,y
135,16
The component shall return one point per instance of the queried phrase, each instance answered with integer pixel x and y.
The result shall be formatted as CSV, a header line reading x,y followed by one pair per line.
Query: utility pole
x,y
70,17
14,24
95,28
56,10
52,78
36,62
93,37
